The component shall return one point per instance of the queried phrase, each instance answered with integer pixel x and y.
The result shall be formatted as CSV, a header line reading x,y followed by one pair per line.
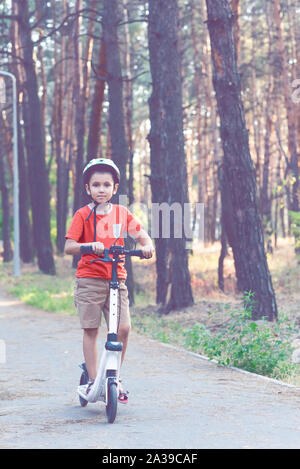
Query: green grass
x,y
46,292
170,332
55,295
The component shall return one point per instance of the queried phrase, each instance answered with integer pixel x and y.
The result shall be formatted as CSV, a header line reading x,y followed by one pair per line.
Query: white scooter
x,y
106,384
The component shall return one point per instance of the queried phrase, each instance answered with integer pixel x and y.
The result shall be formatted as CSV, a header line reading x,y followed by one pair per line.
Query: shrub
x,y
260,347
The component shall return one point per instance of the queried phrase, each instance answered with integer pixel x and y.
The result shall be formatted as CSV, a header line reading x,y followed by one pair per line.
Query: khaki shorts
x,y
91,297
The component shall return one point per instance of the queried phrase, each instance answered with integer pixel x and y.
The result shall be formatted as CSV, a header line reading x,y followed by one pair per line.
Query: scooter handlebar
x,y
133,252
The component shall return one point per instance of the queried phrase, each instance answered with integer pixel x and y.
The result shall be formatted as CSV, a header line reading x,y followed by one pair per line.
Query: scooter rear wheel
x,y
84,379
112,402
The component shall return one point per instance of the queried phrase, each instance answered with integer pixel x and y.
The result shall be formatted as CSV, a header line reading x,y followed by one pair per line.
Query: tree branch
x,y
139,20
65,23
10,17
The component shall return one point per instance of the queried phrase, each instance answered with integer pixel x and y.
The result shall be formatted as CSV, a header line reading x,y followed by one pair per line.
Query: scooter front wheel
x,y
112,402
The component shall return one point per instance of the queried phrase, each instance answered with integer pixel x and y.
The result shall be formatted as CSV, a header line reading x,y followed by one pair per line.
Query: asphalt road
x,y
177,400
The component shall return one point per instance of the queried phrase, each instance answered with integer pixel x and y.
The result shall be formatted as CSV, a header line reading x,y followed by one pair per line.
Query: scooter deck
x,y
95,397
110,360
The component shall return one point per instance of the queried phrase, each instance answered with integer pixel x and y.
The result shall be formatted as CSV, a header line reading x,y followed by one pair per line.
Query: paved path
x,y
177,400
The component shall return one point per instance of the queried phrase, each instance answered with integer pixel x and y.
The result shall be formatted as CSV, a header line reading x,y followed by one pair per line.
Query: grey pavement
x,y
177,400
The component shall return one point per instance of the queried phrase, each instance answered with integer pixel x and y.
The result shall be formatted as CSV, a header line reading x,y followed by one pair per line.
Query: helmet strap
x,y
95,218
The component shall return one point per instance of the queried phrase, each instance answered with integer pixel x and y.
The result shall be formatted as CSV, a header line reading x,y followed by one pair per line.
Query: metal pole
x,y
17,270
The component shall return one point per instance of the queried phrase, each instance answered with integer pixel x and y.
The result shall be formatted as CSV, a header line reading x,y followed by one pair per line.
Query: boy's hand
x,y
148,251
98,248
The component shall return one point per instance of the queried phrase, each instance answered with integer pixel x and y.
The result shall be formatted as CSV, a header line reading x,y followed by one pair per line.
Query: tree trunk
x,y
116,121
7,250
94,135
26,241
166,136
80,96
265,195
38,177
61,122
256,119
78,102
128,100
278,199
247,238
235,8
290,108
26,235
43,78
159,195
225,218
198,59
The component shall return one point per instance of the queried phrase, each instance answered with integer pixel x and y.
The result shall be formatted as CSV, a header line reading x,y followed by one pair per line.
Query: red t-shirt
x,y
109,228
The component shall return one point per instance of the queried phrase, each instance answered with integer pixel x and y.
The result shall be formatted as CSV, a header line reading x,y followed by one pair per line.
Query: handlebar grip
x,y
136,252
86,250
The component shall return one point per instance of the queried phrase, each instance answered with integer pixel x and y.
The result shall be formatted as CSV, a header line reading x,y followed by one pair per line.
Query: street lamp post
x,y
17,270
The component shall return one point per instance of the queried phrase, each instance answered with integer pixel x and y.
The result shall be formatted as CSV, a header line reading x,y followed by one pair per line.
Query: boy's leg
x,y
90,351
123,334
90,295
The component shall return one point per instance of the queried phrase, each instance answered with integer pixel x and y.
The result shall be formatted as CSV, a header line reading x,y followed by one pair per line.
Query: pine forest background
x,y
61,53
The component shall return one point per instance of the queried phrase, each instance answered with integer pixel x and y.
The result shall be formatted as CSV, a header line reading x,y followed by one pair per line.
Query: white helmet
x,y
103,164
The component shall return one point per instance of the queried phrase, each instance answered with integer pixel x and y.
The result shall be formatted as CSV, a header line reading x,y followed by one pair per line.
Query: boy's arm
x,y
146,243
73,248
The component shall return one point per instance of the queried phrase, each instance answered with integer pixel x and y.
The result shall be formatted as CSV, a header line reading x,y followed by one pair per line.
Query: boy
x,y
104,228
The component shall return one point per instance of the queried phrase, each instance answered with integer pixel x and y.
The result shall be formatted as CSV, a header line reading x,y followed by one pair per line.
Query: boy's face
x,y
101,187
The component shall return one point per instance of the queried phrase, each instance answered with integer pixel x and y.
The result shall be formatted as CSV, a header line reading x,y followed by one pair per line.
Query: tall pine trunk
x,y
38,177
116,121
79,111
26,241
283,71
168,167
265,192
26,238
4,189
94,135
80,97
246,234
60,119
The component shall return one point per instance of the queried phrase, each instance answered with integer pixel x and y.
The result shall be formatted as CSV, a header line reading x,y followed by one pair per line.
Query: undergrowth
x,y
260,347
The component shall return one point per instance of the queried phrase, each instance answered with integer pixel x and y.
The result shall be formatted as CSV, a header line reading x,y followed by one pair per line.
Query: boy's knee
x,y
91,332
124,330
